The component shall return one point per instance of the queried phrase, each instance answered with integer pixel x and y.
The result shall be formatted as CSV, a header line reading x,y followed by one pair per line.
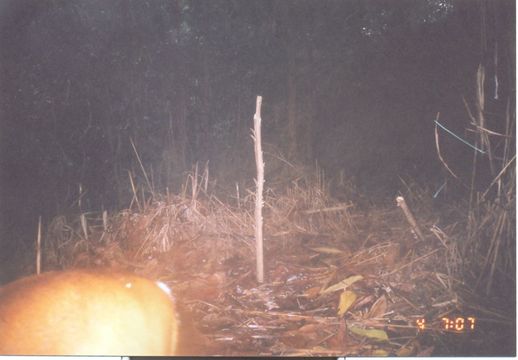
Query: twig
x,y
411,262
256,135
439,150
409,216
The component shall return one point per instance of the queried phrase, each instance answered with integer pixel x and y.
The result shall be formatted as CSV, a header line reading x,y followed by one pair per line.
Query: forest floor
x,y
342,278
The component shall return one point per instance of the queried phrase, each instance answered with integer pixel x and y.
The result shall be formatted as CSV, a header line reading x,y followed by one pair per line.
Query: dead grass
x,y
204,248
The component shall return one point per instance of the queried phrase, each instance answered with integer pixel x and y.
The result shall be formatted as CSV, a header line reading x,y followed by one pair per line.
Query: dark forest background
x,y
353,85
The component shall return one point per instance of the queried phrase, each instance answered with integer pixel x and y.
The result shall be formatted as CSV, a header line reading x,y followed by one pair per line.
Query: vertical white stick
x,y
259,192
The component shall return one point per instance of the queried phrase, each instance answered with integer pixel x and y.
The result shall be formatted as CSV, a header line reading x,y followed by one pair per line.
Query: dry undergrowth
x,y
341,279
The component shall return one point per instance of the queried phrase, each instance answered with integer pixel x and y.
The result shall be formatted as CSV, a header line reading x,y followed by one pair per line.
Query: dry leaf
x,y
344,284
347,298
426,351
379,352
379,308
375,334
307,328
365,300
392,254
405,351
312,292
327,250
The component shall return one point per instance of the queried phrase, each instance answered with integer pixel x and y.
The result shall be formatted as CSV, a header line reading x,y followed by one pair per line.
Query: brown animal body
x,y
86,313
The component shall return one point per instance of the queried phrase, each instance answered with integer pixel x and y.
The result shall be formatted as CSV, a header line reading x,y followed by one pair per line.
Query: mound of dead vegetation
x,y
342,277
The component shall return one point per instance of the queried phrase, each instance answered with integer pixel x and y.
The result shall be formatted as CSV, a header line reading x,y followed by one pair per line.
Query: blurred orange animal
x,y
83,312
